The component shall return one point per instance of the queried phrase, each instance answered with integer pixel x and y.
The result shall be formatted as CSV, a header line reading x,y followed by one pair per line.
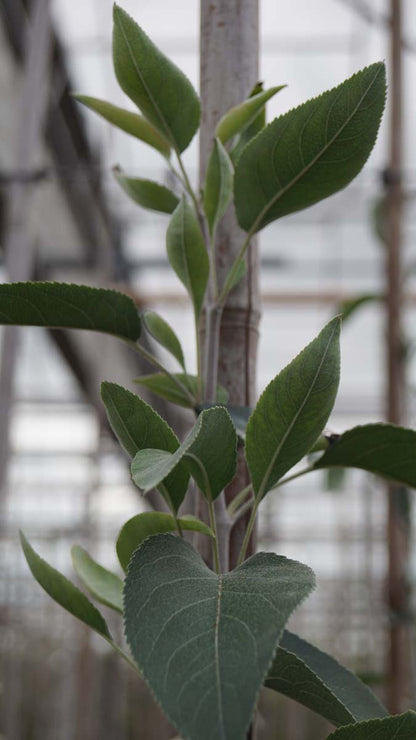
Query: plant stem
x,y
238,499
249,530
177,175
242,510
213,267
212,342
234,267
223,525
178,526
282,482
213,524
167,497
150,358
198,359
187,183
256,505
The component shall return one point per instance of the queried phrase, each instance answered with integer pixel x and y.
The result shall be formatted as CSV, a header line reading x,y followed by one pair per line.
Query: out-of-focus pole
x,y
399,660
19,255
229,70
19,252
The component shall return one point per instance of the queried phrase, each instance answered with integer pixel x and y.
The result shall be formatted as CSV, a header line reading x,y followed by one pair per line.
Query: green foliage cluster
x,y
205,639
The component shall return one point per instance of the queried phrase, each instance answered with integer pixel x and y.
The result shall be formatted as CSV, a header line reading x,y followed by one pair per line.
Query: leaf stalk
x,y
150,358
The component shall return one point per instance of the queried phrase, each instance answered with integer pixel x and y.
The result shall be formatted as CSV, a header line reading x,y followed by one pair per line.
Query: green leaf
x,y
238,118
239,415
63,591
106,587
311,152
239,274
67,306
382,449
209,452
398,727
218,187
349,307
131,123
252,130
187,252
156,85
162,385
204,642
147,193
293,410
379,219
316,680
164,334
137,426
141,526
334,480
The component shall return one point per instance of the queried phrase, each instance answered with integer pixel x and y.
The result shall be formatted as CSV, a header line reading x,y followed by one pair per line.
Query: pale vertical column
x,y
229,70
19,248
398,529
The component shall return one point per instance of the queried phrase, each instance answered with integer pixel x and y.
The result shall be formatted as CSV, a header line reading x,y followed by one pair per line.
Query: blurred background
x,y
62,477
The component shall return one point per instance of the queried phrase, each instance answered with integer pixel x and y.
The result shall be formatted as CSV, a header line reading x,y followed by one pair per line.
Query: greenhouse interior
x,y
65,480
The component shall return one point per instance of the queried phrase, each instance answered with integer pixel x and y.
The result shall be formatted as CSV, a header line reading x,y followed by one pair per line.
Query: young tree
x,y
206,639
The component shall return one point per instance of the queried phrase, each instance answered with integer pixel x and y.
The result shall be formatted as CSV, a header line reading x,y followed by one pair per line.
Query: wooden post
x,y
229,70
19,252
399,659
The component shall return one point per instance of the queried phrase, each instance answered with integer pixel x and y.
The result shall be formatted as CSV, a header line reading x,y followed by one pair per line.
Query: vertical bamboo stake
x,y
229,70
399,664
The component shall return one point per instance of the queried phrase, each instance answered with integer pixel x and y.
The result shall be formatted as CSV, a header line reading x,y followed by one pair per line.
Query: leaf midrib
x,y
162,117
263,485
217,658
122,422
306,169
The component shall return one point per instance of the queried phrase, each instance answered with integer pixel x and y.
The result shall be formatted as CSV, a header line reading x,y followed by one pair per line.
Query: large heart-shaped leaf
x,y
316,680
187,252
105,586
209,452
137,426
293,410
61,590
131,123
383,449
311,152
204,641
136,529
147,193
161,91
399,727
66,306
